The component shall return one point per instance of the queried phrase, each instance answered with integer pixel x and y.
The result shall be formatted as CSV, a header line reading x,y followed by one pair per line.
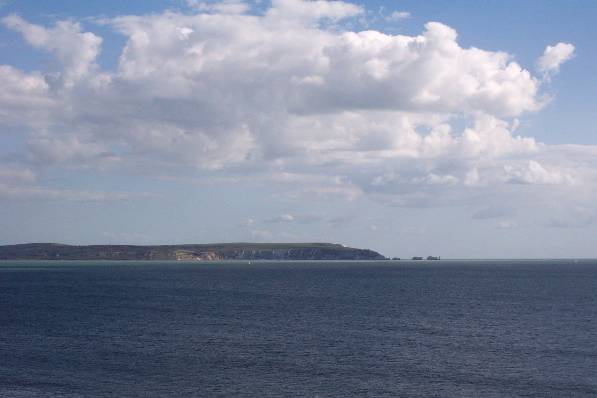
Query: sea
x,y
299,329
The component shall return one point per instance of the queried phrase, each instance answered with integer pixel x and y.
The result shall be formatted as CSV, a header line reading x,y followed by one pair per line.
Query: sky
x,y
463,129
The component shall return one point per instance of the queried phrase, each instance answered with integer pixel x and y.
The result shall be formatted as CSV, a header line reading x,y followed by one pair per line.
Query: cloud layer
x,y
414,120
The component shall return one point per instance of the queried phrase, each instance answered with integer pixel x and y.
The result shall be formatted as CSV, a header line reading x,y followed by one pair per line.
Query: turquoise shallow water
x,y
448,328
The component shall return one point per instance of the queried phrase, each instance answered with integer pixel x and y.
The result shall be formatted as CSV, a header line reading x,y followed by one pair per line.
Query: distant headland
x,y
199,252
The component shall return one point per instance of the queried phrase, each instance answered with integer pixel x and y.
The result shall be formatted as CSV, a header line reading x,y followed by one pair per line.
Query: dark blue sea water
x,y
378,329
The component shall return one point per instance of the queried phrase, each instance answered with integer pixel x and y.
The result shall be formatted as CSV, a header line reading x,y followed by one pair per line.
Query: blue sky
x,y
351,122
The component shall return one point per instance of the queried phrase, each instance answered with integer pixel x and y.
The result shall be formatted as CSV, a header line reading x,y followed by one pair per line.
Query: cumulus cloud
x,y
553,57
532,172
24,99
291,95
75,50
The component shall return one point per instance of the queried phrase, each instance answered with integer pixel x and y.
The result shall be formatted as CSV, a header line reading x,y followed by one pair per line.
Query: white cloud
x,y
224,7
48,148
24,99
290,96
398,15
314,192
76,50
532,172
553,57
13,173
285,218
40,193
313,10
507,224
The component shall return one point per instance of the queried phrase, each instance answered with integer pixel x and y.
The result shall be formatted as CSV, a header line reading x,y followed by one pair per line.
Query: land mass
x,y
207,252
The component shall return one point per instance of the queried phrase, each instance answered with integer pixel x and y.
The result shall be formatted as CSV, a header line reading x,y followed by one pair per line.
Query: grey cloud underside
x,y
283,93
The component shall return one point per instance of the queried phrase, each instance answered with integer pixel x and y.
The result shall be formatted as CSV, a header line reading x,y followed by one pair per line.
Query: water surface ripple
x,y
317,329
